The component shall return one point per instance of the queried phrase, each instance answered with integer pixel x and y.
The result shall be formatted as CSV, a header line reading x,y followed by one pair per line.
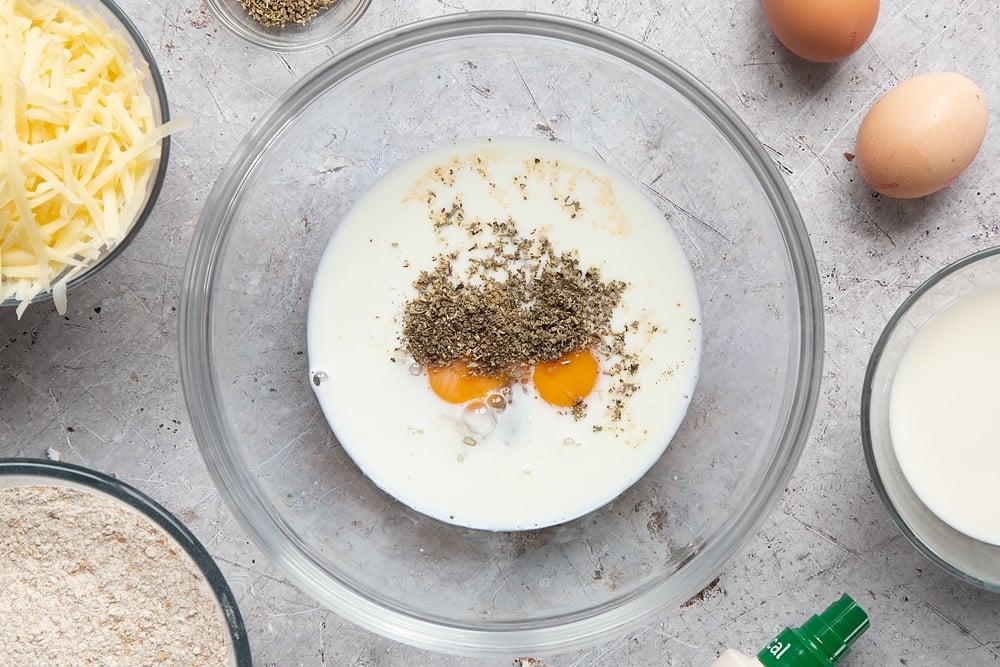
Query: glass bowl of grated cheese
x,y
500,334
292,25
84,128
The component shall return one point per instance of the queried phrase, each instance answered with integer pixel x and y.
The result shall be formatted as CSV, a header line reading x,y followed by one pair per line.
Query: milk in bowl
x,y
504,333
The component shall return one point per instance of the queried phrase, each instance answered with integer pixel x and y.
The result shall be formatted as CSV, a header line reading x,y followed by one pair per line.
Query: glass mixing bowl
x,y
152,83
969,559
245,371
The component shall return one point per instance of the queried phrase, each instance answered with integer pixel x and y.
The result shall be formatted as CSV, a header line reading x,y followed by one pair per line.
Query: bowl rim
x,y
287,42
199,378
161,168
867,442
116,489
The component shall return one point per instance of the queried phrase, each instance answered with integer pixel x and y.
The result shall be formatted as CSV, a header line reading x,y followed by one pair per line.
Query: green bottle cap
x,y
822,641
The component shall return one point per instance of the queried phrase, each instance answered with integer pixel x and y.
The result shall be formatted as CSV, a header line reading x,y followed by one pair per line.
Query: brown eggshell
x,y
921,135
822,31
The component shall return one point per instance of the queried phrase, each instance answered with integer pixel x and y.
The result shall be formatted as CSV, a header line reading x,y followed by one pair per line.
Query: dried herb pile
x,y
278,13
516,304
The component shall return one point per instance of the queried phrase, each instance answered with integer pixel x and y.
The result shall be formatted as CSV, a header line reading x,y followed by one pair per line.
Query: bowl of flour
x,y
95,570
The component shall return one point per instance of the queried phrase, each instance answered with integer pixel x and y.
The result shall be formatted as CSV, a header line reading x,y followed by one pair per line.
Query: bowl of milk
x,y
929,418
501,334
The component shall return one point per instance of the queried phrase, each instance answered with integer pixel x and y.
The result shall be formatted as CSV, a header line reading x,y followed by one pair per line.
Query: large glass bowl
x,y
243,335
967,558
152,82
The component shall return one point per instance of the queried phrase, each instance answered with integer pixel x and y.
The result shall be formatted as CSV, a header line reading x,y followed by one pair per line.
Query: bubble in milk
x,y
478,418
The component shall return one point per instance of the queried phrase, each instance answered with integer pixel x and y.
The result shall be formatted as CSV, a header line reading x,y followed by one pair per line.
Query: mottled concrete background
x,y
108,371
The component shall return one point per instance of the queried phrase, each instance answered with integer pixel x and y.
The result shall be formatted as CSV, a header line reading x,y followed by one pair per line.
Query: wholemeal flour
x,y
87,581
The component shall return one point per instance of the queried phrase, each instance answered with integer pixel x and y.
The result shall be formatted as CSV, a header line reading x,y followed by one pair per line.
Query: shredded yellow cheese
x,y
78,145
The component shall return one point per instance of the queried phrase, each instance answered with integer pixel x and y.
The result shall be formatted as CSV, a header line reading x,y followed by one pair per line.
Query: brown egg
x,y
822,31
921,135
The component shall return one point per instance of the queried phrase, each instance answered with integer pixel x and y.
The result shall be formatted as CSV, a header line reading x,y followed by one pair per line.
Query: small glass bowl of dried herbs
x,y
288,25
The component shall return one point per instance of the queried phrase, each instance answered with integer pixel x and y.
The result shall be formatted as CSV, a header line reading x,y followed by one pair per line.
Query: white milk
x,y
944,415
538,465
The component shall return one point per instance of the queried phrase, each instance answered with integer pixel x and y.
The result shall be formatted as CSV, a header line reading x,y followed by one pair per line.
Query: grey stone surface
x,y
101,385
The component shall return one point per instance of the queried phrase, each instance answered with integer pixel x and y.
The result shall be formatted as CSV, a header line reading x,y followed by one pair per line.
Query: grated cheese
x,y
78,145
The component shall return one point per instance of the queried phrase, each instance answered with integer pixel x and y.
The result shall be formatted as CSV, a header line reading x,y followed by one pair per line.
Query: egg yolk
x,y
566,380
458,383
